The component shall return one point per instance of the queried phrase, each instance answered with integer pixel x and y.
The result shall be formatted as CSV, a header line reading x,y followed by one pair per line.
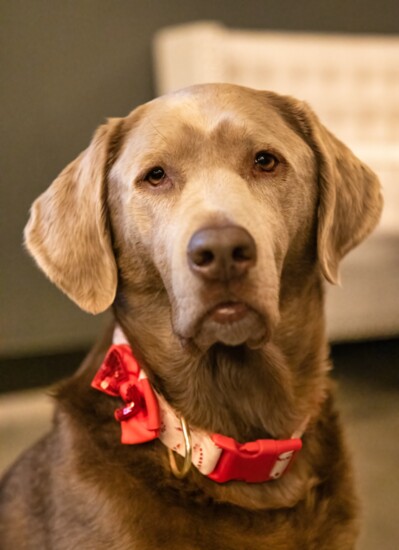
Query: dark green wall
x,y
65,66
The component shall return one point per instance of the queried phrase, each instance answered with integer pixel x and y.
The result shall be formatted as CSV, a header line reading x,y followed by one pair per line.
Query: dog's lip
x,y
230,322
228,312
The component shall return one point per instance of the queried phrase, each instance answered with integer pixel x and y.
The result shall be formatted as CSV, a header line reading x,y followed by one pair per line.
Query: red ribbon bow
x,y
119,376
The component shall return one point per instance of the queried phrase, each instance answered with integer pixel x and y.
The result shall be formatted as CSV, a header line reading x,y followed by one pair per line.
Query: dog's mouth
x,y
228,312
231,323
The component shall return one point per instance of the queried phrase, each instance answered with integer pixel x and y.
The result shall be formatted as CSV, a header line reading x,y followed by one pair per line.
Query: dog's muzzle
x,y
222,257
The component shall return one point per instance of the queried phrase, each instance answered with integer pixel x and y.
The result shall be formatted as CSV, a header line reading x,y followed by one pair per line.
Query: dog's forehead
x,y
207,108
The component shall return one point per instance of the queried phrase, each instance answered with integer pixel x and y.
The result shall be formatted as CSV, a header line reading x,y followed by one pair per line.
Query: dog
x,y
204,418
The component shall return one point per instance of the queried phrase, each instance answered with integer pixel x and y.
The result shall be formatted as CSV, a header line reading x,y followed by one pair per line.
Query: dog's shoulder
x,y
25,496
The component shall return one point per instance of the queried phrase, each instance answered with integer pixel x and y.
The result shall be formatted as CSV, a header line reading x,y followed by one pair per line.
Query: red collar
x,y
146,416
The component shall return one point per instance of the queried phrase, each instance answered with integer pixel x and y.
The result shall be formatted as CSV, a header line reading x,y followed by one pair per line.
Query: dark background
x,y
66,66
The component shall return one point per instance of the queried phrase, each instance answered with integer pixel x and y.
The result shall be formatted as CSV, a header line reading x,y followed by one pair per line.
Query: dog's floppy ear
x,y
67,232
350,200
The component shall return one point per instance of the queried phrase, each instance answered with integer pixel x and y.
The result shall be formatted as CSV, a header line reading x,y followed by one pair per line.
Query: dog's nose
x,y
221,253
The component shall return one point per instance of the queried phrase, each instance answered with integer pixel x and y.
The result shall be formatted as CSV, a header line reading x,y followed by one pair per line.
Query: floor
x,y
372,425
368,377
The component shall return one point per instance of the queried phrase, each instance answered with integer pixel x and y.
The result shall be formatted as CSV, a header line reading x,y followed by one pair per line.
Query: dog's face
x,y
216,187
212,194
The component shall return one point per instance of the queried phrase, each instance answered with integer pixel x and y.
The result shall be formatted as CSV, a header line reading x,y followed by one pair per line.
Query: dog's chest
x,y
180,529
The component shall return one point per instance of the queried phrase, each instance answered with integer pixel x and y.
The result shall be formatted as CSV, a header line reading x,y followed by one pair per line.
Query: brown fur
x,y
105,236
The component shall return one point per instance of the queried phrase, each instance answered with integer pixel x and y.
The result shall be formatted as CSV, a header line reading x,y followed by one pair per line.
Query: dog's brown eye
x,y
155,176
266,161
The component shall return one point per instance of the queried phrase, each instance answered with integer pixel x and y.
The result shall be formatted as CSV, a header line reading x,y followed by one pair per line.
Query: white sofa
x,y
352,82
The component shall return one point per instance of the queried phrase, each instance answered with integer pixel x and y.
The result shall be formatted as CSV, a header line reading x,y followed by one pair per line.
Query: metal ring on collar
x,y
180,474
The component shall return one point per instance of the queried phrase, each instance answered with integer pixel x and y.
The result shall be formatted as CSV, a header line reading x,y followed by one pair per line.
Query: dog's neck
x,y
146,416
218,391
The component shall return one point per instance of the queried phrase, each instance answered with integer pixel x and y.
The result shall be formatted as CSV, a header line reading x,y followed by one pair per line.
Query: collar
x,y
145,416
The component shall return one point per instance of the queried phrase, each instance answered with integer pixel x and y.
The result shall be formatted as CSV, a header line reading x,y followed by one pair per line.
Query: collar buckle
x,y
253,462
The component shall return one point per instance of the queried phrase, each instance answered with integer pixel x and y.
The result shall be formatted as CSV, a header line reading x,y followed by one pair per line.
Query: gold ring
x,y
180,474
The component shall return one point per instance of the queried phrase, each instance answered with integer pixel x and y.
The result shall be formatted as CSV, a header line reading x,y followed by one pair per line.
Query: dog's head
x,y
207,197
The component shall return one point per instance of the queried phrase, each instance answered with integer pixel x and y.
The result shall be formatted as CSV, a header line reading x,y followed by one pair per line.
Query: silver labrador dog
x,y
207,219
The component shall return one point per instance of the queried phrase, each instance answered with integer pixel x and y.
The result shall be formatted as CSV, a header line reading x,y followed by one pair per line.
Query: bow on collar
x,y
121,376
